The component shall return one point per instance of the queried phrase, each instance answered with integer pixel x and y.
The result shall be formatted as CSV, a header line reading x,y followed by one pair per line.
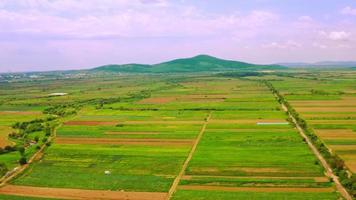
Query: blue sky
x,y
76,34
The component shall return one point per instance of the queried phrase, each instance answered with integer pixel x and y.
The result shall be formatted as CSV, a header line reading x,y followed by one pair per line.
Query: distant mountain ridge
x,y
200,63
322,64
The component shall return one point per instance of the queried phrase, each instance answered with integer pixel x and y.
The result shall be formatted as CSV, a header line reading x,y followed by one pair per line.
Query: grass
x,y
220,195
132,168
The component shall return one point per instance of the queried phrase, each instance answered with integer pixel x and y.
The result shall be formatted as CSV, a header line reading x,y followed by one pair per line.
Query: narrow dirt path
x,y
185,165
329,171
79,194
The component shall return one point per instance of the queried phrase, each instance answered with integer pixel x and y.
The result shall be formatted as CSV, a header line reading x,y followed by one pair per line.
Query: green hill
x,y
200,63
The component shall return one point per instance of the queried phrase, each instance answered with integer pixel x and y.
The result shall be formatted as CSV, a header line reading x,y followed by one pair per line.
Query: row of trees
x,y
62,110
347,179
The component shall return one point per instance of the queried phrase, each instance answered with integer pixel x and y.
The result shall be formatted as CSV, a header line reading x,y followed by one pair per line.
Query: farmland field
x,y
153,137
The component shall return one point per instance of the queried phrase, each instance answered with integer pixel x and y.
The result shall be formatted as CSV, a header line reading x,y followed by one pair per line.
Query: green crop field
x,y
174,137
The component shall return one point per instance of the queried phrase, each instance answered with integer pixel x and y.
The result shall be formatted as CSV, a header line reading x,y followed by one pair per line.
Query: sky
x,y
39,35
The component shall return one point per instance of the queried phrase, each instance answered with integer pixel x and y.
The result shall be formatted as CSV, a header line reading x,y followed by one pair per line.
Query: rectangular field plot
x,y
253,153
186,194
131,168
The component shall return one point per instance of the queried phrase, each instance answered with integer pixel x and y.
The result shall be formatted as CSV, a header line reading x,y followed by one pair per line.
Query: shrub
x,y
37,138
3,169
21,149
23,160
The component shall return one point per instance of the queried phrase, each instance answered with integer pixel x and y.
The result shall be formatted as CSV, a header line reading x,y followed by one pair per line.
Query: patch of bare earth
x,y
338,103
90,123
342,147
125,141
3,142
79,194
254,189
163,122
326,109
157,100
4,132
245,121
20,113
336,133
328,115
332,121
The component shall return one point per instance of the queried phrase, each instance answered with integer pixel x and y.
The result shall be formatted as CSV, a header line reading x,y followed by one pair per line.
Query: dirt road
x,y
185,165
329,171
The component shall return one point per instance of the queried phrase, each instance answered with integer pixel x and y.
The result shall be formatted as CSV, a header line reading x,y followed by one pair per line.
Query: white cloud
x,y
336,35
305,18
348,11
290,44
318,45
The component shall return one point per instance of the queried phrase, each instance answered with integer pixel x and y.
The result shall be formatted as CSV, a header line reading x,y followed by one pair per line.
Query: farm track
x,y
185,165
329,171
79,194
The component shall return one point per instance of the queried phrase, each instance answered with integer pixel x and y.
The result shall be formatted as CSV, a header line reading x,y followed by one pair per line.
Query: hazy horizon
x,y
43,35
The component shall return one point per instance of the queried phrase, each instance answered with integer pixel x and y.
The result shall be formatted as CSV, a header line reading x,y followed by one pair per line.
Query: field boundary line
x,y
78,194
329,171
190,155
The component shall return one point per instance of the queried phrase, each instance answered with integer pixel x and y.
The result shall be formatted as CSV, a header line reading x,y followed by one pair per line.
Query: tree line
x,y
347,179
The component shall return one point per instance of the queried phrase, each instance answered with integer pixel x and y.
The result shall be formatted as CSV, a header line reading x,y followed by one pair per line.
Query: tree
x,y
37,138
23,160
21,149
3,169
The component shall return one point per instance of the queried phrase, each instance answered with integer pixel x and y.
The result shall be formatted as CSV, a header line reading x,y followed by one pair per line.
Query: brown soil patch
x,y
351,165
125,141
332,121
254,189
259,170
326,109
208,96
4,132
341,103
20,113
202,98
342,147
90,123
79,194
163,122
246,121
336,133
328,115
3,142
157,100
131,133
